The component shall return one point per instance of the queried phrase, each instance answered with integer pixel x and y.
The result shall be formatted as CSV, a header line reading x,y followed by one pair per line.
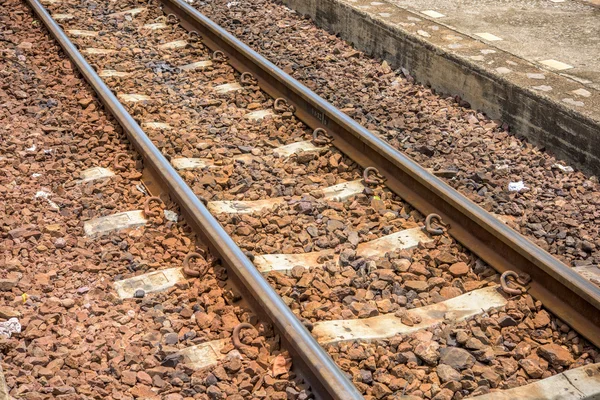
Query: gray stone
x,y
506,320
171,338
215,393
366,376
446,373
456,357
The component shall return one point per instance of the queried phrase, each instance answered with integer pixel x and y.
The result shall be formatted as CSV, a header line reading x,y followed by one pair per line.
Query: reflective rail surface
x,y
326,379
564,292
567,294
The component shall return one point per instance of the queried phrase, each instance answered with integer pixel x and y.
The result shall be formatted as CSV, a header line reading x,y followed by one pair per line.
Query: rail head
x,y
324,376
563,291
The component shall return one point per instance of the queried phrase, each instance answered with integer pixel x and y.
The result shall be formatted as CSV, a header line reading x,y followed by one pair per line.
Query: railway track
x,y
362,249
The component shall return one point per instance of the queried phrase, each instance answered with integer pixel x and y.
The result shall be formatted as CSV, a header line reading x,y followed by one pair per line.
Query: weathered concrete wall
x,y
566,133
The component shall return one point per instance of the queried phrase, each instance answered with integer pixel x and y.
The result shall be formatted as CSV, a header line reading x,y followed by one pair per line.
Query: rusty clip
x,y
431,218
147,211
279,107
320,136
189,271
247,79
377,179
116,90
116,165
235,336
172,19
219,56
194,36
470,184
520,280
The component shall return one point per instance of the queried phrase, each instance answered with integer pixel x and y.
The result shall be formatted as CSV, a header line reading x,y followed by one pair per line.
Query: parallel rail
x,y
314,363
567,294
564,292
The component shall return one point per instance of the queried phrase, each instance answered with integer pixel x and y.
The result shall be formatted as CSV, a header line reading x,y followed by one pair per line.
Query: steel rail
x,y
567,294
316,366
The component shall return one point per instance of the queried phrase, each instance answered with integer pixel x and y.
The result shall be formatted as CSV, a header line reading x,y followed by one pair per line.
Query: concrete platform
x,y
534,64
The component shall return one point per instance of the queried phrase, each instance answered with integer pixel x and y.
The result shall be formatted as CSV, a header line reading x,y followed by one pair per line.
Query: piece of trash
x,y
171,215
9,327
142,188
45,195
232,3
516,186
563,168
32,148
25,297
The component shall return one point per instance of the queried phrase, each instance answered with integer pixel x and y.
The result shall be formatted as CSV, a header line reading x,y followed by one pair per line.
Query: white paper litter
x,y
232,3
516,186
171,215
142,188
45,195
563,168
9,327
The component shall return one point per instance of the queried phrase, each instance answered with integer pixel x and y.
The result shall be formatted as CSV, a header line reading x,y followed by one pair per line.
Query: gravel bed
x,y
357,286
265,179
78,339
558,210
501,350
223,132
308,224
363,288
